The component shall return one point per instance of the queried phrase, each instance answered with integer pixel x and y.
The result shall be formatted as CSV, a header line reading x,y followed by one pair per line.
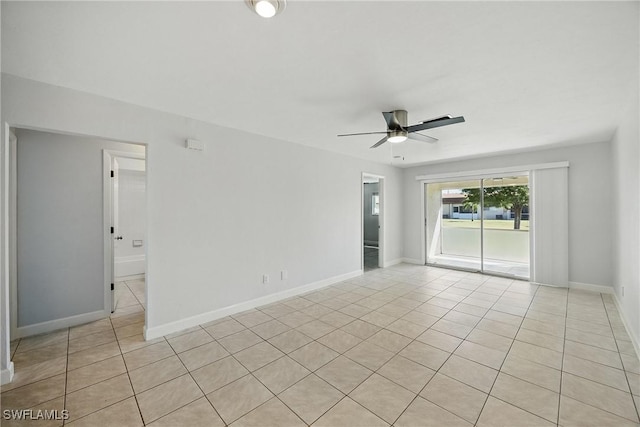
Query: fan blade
x,y
422,138
379,143
364,133
435,123
435,119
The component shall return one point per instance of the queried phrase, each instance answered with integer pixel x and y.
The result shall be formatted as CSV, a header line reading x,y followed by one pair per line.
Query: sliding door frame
x,y
481,175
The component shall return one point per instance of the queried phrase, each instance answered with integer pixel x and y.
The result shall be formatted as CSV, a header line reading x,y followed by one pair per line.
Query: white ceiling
x,y
523,74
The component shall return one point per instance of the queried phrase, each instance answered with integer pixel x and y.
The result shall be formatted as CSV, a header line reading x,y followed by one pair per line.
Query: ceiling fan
x,y
398,131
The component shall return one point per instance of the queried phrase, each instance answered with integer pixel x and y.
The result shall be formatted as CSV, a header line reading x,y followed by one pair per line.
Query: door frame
x,y
381,219
8,234
11,163
107,218
10,229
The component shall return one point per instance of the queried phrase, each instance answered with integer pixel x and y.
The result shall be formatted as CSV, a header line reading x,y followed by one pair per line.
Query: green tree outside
x,y
514,198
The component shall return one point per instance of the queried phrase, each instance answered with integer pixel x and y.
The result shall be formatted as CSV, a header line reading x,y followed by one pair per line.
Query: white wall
x,y
205,248
590,187
60,228
626,215
370,221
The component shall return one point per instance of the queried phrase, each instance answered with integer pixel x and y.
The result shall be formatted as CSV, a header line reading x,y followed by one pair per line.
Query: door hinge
x,y
111,230
112,287
112,174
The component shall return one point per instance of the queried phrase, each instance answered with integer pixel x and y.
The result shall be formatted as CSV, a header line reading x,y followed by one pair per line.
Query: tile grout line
x,y
125,365
339,354
15,350
402,286
499,370
635,404
66,375
164,382
249,372
91,385
597,382
277,396
384,364
436,371
345,395
564,344
566,304
588,360
134,294
204,395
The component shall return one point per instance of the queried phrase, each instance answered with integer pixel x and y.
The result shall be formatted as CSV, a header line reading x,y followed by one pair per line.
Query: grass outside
x,y
493,224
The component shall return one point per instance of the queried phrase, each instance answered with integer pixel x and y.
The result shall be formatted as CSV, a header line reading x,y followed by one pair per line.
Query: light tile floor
x,y
404,346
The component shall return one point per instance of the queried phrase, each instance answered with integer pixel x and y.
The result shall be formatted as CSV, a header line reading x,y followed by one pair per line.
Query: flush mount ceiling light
x,y
397,136
266,8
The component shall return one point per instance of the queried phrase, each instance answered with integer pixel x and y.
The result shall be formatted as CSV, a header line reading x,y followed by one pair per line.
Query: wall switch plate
x,y
284,275
265,278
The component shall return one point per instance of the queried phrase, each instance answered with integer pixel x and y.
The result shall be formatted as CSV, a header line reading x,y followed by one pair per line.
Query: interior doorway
x,y
57,244
372,222
125,243
480,225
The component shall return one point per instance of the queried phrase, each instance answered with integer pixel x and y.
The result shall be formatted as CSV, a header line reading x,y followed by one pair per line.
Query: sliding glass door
x,y
479,225
505,226
454,232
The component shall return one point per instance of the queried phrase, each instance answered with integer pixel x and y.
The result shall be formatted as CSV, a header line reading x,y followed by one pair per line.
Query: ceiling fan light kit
x,y
397,136
398,131
267,8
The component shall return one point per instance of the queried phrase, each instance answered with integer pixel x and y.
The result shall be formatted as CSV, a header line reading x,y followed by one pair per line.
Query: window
x,y
375,204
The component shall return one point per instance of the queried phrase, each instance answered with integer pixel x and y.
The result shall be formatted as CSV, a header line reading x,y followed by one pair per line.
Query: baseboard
x,y
179,325
593,288
413,261
129,266
53,325
625,322
6,375
386,264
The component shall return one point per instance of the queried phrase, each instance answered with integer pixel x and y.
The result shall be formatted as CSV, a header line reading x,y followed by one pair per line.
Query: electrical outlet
x,y
284,275
265,278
